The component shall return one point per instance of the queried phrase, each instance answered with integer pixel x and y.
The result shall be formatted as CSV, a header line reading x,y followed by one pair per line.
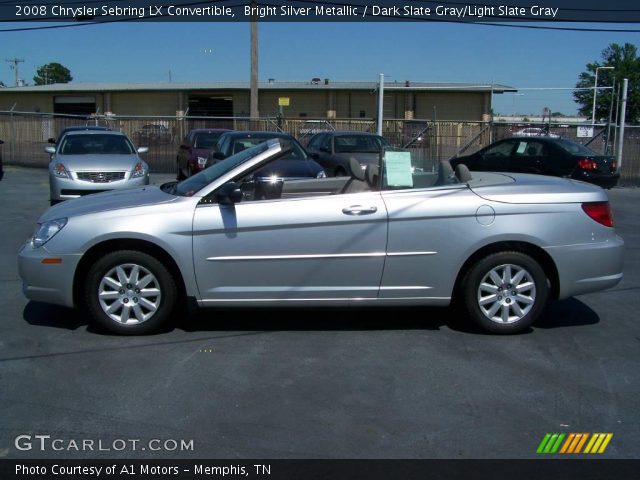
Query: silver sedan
x,y
91,161
502,245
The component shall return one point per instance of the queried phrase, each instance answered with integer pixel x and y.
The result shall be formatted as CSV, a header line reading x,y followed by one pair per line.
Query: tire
x,y
505,292
180,176
142,306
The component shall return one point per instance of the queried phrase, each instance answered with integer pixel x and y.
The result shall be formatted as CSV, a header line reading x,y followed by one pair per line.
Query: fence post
x,y
623,114
12,140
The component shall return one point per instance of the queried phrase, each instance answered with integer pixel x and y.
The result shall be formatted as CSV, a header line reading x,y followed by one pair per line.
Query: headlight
x,y
140,170
202,161
60,171
321,174
46,231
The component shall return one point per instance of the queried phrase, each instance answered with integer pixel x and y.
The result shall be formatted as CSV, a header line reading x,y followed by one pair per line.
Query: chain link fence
x,y
27,134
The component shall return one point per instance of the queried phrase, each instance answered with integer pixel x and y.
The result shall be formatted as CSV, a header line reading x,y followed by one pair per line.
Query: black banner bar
x,y
542,469
487,11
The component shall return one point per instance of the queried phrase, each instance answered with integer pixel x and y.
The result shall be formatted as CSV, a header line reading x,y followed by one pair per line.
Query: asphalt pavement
x,y
313,383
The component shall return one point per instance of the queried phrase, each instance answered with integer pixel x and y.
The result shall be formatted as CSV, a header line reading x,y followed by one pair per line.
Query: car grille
x,y
65,191
100,177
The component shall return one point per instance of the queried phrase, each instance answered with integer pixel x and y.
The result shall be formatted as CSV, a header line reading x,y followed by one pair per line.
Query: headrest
x,y
356,169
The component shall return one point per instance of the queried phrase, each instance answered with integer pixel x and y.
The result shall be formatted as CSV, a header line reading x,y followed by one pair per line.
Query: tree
x,y
626,64
52,73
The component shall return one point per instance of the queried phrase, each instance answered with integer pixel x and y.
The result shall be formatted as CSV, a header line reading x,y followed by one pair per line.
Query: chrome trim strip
x,y
315,256
339,299
404,254
296,257
418,287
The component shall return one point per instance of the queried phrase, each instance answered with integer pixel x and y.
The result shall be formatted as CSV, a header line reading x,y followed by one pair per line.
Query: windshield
x,y
96,144
200,180
206,140
575,148
359,144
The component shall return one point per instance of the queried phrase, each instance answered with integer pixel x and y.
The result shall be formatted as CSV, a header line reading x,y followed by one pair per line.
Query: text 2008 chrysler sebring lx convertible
x,y
502,244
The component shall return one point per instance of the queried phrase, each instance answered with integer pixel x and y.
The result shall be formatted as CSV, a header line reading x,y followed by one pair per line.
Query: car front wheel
x,y
505,292
130,292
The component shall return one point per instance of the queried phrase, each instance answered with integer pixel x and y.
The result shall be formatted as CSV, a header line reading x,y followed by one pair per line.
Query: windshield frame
x,y
206,181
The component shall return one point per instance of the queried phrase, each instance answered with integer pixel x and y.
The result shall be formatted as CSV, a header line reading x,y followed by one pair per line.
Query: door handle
x,y
359,210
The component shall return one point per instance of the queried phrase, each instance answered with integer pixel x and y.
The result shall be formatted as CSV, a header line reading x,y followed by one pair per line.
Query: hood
x,y
112,200
526,188
98,163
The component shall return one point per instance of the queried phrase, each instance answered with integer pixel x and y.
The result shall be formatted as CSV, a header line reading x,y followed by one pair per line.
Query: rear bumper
x,y
589,267
604,180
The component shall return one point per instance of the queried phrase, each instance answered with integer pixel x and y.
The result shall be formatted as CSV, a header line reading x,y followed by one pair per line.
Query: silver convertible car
x,y
502,245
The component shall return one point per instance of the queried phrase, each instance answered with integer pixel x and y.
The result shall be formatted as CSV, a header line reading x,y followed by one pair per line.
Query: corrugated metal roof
x,y
331,85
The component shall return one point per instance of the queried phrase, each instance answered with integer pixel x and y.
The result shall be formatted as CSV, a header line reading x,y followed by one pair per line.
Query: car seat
x,y
356,182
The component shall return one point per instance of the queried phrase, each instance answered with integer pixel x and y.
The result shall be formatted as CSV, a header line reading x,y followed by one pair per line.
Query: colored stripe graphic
x,y
550,443
574,443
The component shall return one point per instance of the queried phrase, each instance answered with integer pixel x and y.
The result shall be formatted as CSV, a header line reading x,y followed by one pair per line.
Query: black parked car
x,y
334,150
545,156
296,164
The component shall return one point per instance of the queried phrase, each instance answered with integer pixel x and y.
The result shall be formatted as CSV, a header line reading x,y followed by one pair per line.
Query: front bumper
x,y
47,282
66,188
588,267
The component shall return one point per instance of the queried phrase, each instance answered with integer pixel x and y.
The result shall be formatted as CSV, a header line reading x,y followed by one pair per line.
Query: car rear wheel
x,y
505,292
130,292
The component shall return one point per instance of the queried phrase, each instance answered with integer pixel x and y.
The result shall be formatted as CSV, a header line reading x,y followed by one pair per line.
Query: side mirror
x,y
51,140
218,155
50,150
142,149
229,193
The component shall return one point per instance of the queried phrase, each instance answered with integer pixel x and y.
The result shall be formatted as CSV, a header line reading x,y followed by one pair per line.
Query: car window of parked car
x,y
359,144
530,149
502,149
96,145
574,148
206,140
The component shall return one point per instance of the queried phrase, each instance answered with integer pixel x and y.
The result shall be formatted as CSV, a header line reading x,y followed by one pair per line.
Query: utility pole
x,y
380,102
623,115
14,67
253,101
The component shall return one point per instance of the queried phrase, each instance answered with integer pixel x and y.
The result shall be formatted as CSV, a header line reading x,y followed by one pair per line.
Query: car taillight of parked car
x,y
587,164
600,212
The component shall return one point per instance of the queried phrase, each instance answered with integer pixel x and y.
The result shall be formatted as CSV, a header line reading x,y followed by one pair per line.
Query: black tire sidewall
x,y
481,268
167,287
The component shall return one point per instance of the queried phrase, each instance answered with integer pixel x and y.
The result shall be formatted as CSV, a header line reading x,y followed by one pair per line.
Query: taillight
x,y
600,212
587,164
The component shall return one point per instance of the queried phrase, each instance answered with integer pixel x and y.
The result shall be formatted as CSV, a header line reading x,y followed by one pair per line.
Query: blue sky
x,y
421,52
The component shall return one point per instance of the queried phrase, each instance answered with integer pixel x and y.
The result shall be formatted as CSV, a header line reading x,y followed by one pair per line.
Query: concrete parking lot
x,y
321,383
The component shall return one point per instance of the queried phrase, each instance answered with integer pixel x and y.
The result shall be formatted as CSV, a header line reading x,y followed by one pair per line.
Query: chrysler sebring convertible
x,y
502,245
